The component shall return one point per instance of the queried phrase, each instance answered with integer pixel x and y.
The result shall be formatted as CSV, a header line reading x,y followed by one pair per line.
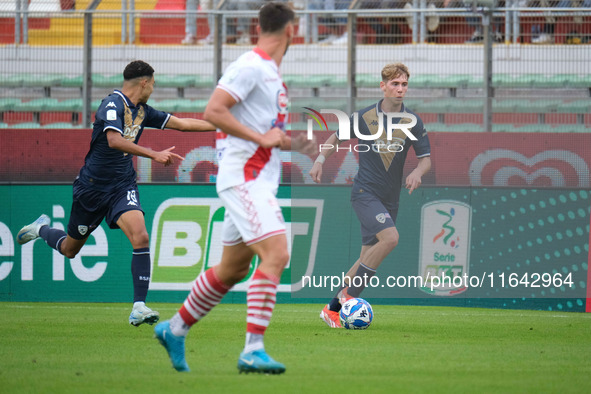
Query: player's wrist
x,y
320,159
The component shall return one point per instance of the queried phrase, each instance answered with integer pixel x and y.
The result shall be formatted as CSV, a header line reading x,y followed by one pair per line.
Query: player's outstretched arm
x,y
189,124
326,150
116,141
413,180
299,143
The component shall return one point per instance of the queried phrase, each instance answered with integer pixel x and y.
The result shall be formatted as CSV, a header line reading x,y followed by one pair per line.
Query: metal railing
x,y
358,55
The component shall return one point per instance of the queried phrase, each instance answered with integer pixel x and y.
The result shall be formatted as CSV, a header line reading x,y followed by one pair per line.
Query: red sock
x,y
207,292
260,301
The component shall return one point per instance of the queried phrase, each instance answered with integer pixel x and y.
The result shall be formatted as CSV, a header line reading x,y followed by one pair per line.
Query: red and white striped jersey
x,y
261,103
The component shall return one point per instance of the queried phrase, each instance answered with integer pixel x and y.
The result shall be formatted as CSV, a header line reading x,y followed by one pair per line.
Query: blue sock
x,y
52,236
140,271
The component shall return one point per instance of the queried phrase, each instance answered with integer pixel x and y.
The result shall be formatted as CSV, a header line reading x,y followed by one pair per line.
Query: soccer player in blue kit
x,y
106,185
376,187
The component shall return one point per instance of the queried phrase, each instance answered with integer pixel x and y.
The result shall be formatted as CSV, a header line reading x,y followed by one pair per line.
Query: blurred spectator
x,y
476,23
336,26
190,22
237,32
208,5
386,29
432,19
545,34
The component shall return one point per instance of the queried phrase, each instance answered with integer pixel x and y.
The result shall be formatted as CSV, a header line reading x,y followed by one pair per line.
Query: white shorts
x,y
252,214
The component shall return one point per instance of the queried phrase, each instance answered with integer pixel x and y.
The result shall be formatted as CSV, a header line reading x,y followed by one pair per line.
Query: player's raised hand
x,y
167,157
272,138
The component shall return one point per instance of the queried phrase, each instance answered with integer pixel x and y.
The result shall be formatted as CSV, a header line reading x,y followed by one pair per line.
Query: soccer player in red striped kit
x,y
249,108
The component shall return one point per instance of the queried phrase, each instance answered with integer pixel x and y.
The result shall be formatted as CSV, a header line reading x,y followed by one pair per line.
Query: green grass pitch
x,y
90,348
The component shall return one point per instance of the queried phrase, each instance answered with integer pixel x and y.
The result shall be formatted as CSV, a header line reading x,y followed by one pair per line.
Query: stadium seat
x,y
36,105
575,107
10,81
70,105
45,80
367,80
204,81
578,81
25,125
541,106
59,125
421,81
7,104
509,105
449,81
72,82
475,82
465,106
306,81
438,106
437,127
557,81
175,81
466,128
536,128
107,81
165,105
337,81
519,81
503,128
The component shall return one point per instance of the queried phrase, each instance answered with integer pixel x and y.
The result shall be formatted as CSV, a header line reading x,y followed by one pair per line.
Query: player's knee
x,y
240,274
282,258
233,276
69,253
140,240
390,241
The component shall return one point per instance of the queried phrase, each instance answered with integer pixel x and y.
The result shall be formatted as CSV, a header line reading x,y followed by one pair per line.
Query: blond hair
x,y
394,70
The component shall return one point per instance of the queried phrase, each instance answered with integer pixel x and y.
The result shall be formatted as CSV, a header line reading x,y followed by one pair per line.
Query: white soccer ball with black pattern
x,y
356,314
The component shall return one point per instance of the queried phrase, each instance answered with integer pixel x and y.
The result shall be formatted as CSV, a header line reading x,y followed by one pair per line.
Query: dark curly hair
x,y
136,69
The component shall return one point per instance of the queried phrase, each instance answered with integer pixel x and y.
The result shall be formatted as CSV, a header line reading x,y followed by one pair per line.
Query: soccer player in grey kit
x,y
106,185
377,185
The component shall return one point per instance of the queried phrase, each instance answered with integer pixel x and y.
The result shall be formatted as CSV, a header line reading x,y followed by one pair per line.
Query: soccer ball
x,y
356,314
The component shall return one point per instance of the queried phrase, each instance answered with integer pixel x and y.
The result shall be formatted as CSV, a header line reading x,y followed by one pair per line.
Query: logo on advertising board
x,y
504,167
186,240
444,246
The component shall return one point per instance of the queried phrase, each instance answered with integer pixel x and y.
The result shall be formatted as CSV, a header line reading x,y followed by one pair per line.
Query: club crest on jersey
x,y
82,229
282,101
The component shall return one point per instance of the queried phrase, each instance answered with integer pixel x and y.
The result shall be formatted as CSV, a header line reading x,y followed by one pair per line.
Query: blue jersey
x,y
381,162
106,168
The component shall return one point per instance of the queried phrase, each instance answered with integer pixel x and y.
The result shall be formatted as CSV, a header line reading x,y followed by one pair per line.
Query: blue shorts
x,y
90,207
373,216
